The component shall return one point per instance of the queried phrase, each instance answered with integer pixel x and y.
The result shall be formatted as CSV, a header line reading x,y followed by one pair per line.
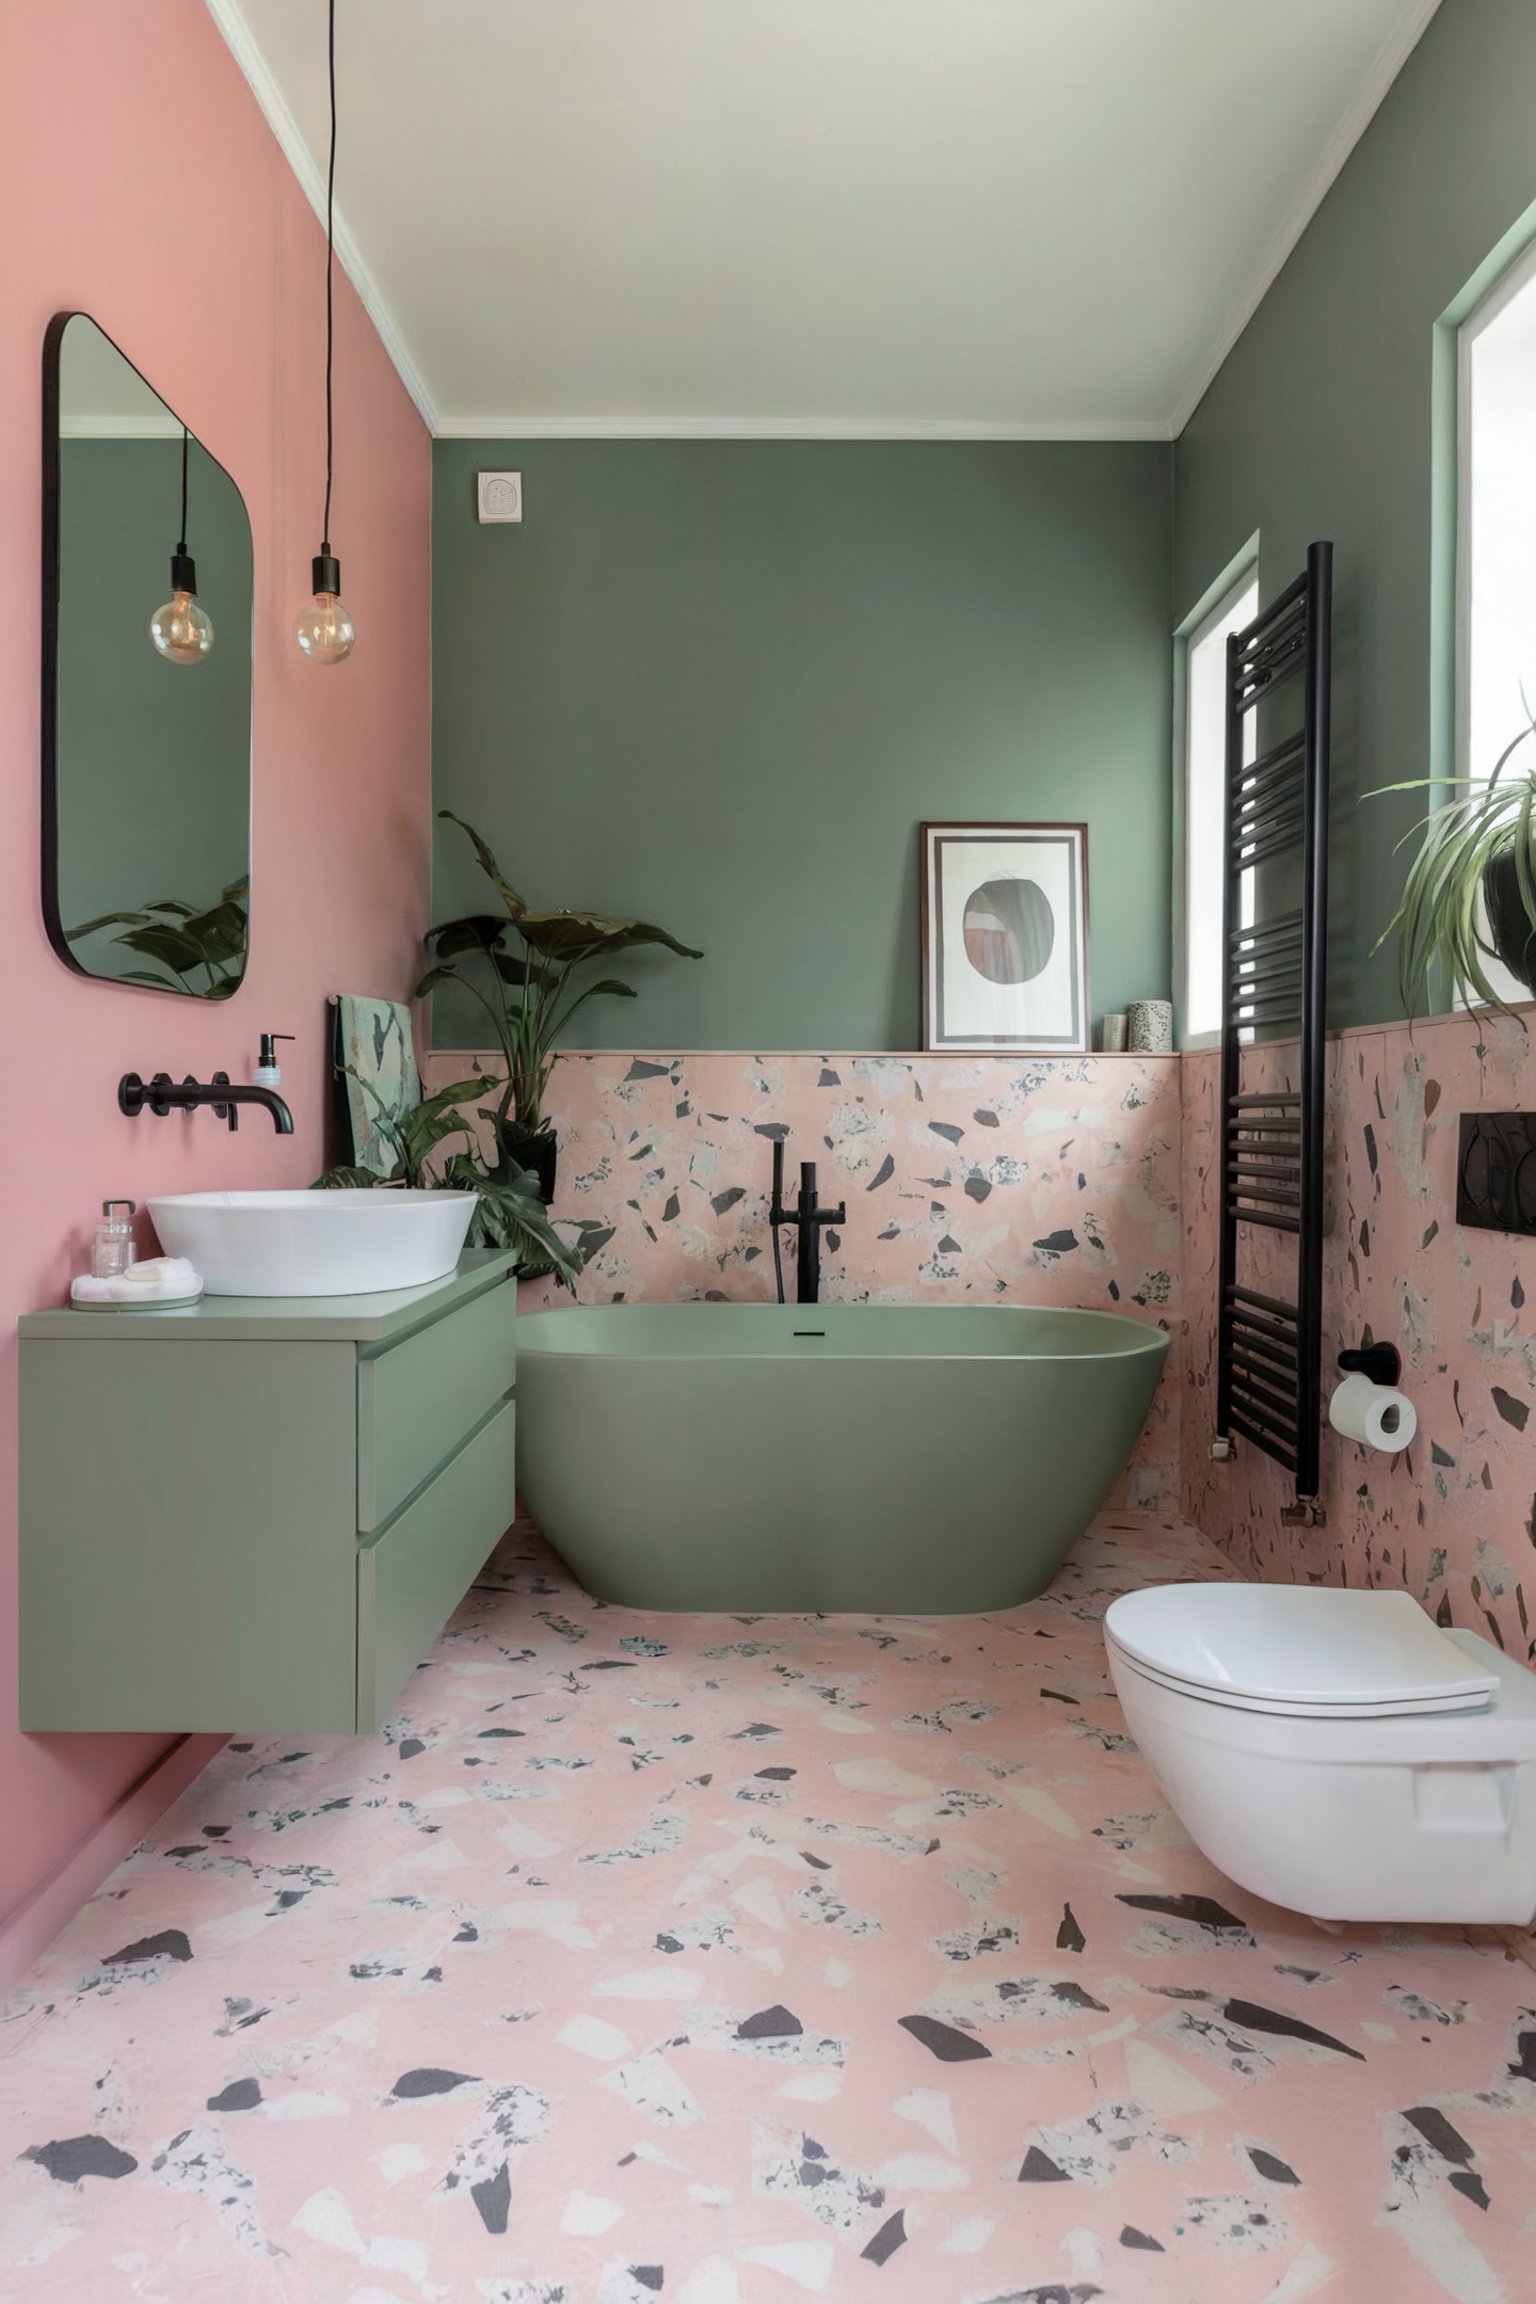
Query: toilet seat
x,y
1302,1651
1230,1701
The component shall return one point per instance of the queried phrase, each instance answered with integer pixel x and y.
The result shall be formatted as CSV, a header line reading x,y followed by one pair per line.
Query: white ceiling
x,y
916,218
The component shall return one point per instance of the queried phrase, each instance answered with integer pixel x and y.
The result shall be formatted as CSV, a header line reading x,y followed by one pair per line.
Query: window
x,y
1496,545
1497,557
1205,746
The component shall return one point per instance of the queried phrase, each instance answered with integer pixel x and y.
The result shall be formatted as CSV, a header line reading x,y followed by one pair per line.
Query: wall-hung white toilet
x,y
1334,1750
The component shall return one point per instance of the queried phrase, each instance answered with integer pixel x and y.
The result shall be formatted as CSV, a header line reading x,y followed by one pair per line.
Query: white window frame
x,y
1516,276
1215,607
1497,299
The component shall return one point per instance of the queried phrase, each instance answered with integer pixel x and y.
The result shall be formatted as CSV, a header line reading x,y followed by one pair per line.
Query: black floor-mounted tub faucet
x,y
808,1218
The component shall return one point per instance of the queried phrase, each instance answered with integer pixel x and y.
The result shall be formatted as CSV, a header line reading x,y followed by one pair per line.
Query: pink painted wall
x,y
991,1180
1452,1519
139,183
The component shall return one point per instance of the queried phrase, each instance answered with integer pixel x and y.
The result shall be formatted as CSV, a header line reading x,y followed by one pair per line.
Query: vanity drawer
x,y
411,1578
416,1402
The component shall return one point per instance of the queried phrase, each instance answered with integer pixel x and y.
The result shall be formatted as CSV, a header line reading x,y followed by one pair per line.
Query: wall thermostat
x,y
500,495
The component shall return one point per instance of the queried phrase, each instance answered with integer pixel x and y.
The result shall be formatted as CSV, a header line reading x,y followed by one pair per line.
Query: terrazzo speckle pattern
x,y
724,1961
1031,1180
1452,1519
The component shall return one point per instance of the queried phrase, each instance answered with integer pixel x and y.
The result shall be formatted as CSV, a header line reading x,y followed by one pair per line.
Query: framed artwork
x,y
1005,937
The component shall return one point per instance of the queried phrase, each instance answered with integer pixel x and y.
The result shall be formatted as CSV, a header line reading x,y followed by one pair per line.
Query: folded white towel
x,y
153,1281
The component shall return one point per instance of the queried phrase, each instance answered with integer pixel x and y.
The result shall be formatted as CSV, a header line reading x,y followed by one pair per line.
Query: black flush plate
x,y
1496,1171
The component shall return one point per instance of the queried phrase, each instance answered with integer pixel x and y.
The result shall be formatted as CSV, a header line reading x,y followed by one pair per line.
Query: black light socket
x,y
325,569
183,572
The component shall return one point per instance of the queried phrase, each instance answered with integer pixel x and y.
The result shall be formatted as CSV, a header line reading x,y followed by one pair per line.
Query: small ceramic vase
x,y
1112,1035
1149,1025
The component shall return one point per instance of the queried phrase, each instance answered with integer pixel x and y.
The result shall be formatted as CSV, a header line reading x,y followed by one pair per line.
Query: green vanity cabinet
x,y
256,1514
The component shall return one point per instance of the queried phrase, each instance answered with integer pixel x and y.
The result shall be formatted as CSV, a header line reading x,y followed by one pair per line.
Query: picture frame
x,y
1005,937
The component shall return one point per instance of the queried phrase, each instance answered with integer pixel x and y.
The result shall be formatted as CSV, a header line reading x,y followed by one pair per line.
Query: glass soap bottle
x,y
113,1250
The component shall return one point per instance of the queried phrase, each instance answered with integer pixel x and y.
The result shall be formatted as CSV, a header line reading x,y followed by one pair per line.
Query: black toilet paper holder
x,y
1383,1363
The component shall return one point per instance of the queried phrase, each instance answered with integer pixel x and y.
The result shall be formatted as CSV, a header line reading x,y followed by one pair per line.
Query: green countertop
x,y
374,1320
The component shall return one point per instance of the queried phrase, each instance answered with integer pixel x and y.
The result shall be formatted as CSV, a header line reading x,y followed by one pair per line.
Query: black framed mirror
x,y
146,719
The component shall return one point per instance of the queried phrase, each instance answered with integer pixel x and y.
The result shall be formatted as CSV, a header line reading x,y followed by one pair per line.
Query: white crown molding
x,y
790,428
1389,61
241,43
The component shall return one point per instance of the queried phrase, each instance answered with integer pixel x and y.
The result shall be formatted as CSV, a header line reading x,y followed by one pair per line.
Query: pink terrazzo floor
x,y
727,1961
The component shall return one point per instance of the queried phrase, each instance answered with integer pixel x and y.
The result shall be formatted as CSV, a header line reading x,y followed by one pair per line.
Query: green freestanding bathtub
x,y
895,1459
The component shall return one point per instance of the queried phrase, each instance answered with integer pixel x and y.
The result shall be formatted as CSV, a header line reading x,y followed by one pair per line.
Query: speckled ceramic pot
x,y
1149,1026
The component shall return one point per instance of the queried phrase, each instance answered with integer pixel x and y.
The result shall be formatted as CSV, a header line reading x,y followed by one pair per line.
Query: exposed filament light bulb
x,y
182,630
324,629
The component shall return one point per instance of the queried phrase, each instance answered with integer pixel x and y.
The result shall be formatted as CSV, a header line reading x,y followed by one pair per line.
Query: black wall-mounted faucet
x,y
808,1217
163,1094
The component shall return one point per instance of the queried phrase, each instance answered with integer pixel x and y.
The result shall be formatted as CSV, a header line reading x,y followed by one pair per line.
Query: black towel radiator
x,y
1269,1347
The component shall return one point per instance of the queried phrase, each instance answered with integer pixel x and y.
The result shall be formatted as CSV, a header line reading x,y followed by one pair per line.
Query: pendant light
x,y
324,630
181,630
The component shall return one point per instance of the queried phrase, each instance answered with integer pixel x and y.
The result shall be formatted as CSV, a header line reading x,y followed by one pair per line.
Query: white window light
x,y
1204,759
1496,539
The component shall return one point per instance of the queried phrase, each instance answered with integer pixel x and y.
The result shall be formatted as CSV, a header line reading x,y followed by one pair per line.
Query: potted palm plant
x,y
519,966
1470,894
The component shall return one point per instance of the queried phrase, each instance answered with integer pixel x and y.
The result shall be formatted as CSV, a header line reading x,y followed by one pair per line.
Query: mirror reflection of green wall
x,y
146,759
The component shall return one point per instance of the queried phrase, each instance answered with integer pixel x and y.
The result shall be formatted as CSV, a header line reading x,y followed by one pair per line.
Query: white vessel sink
x,y
354,1243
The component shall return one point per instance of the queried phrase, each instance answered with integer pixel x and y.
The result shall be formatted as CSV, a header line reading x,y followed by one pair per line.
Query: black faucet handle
x,y
228,1112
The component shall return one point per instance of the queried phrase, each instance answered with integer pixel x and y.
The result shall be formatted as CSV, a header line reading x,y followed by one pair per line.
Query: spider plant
x,y
523,968
1470,894
510,1211
201,952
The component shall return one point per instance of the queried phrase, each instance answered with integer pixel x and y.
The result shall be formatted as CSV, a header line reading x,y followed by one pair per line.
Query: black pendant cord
x,y
330,267
181,548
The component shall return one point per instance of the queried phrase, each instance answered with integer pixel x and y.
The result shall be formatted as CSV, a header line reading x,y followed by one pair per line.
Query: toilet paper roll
x,y
1374,1414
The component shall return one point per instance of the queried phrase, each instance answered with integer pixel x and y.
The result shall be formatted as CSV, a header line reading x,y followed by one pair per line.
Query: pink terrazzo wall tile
x,y
1031,1180
1451,1519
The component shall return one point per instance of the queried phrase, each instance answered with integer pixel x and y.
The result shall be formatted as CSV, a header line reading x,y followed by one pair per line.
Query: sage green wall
x,y
719,684
1322,420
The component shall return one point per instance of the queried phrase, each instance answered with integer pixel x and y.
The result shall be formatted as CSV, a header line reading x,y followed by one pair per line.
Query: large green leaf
x,y
488,864
521,974
219,934
512,1214
111,920
428,1124
160,941
572,936
477,932
432,979
608,987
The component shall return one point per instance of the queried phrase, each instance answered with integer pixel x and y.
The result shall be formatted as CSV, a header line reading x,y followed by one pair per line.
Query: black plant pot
x,y
1510,926
538,1149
